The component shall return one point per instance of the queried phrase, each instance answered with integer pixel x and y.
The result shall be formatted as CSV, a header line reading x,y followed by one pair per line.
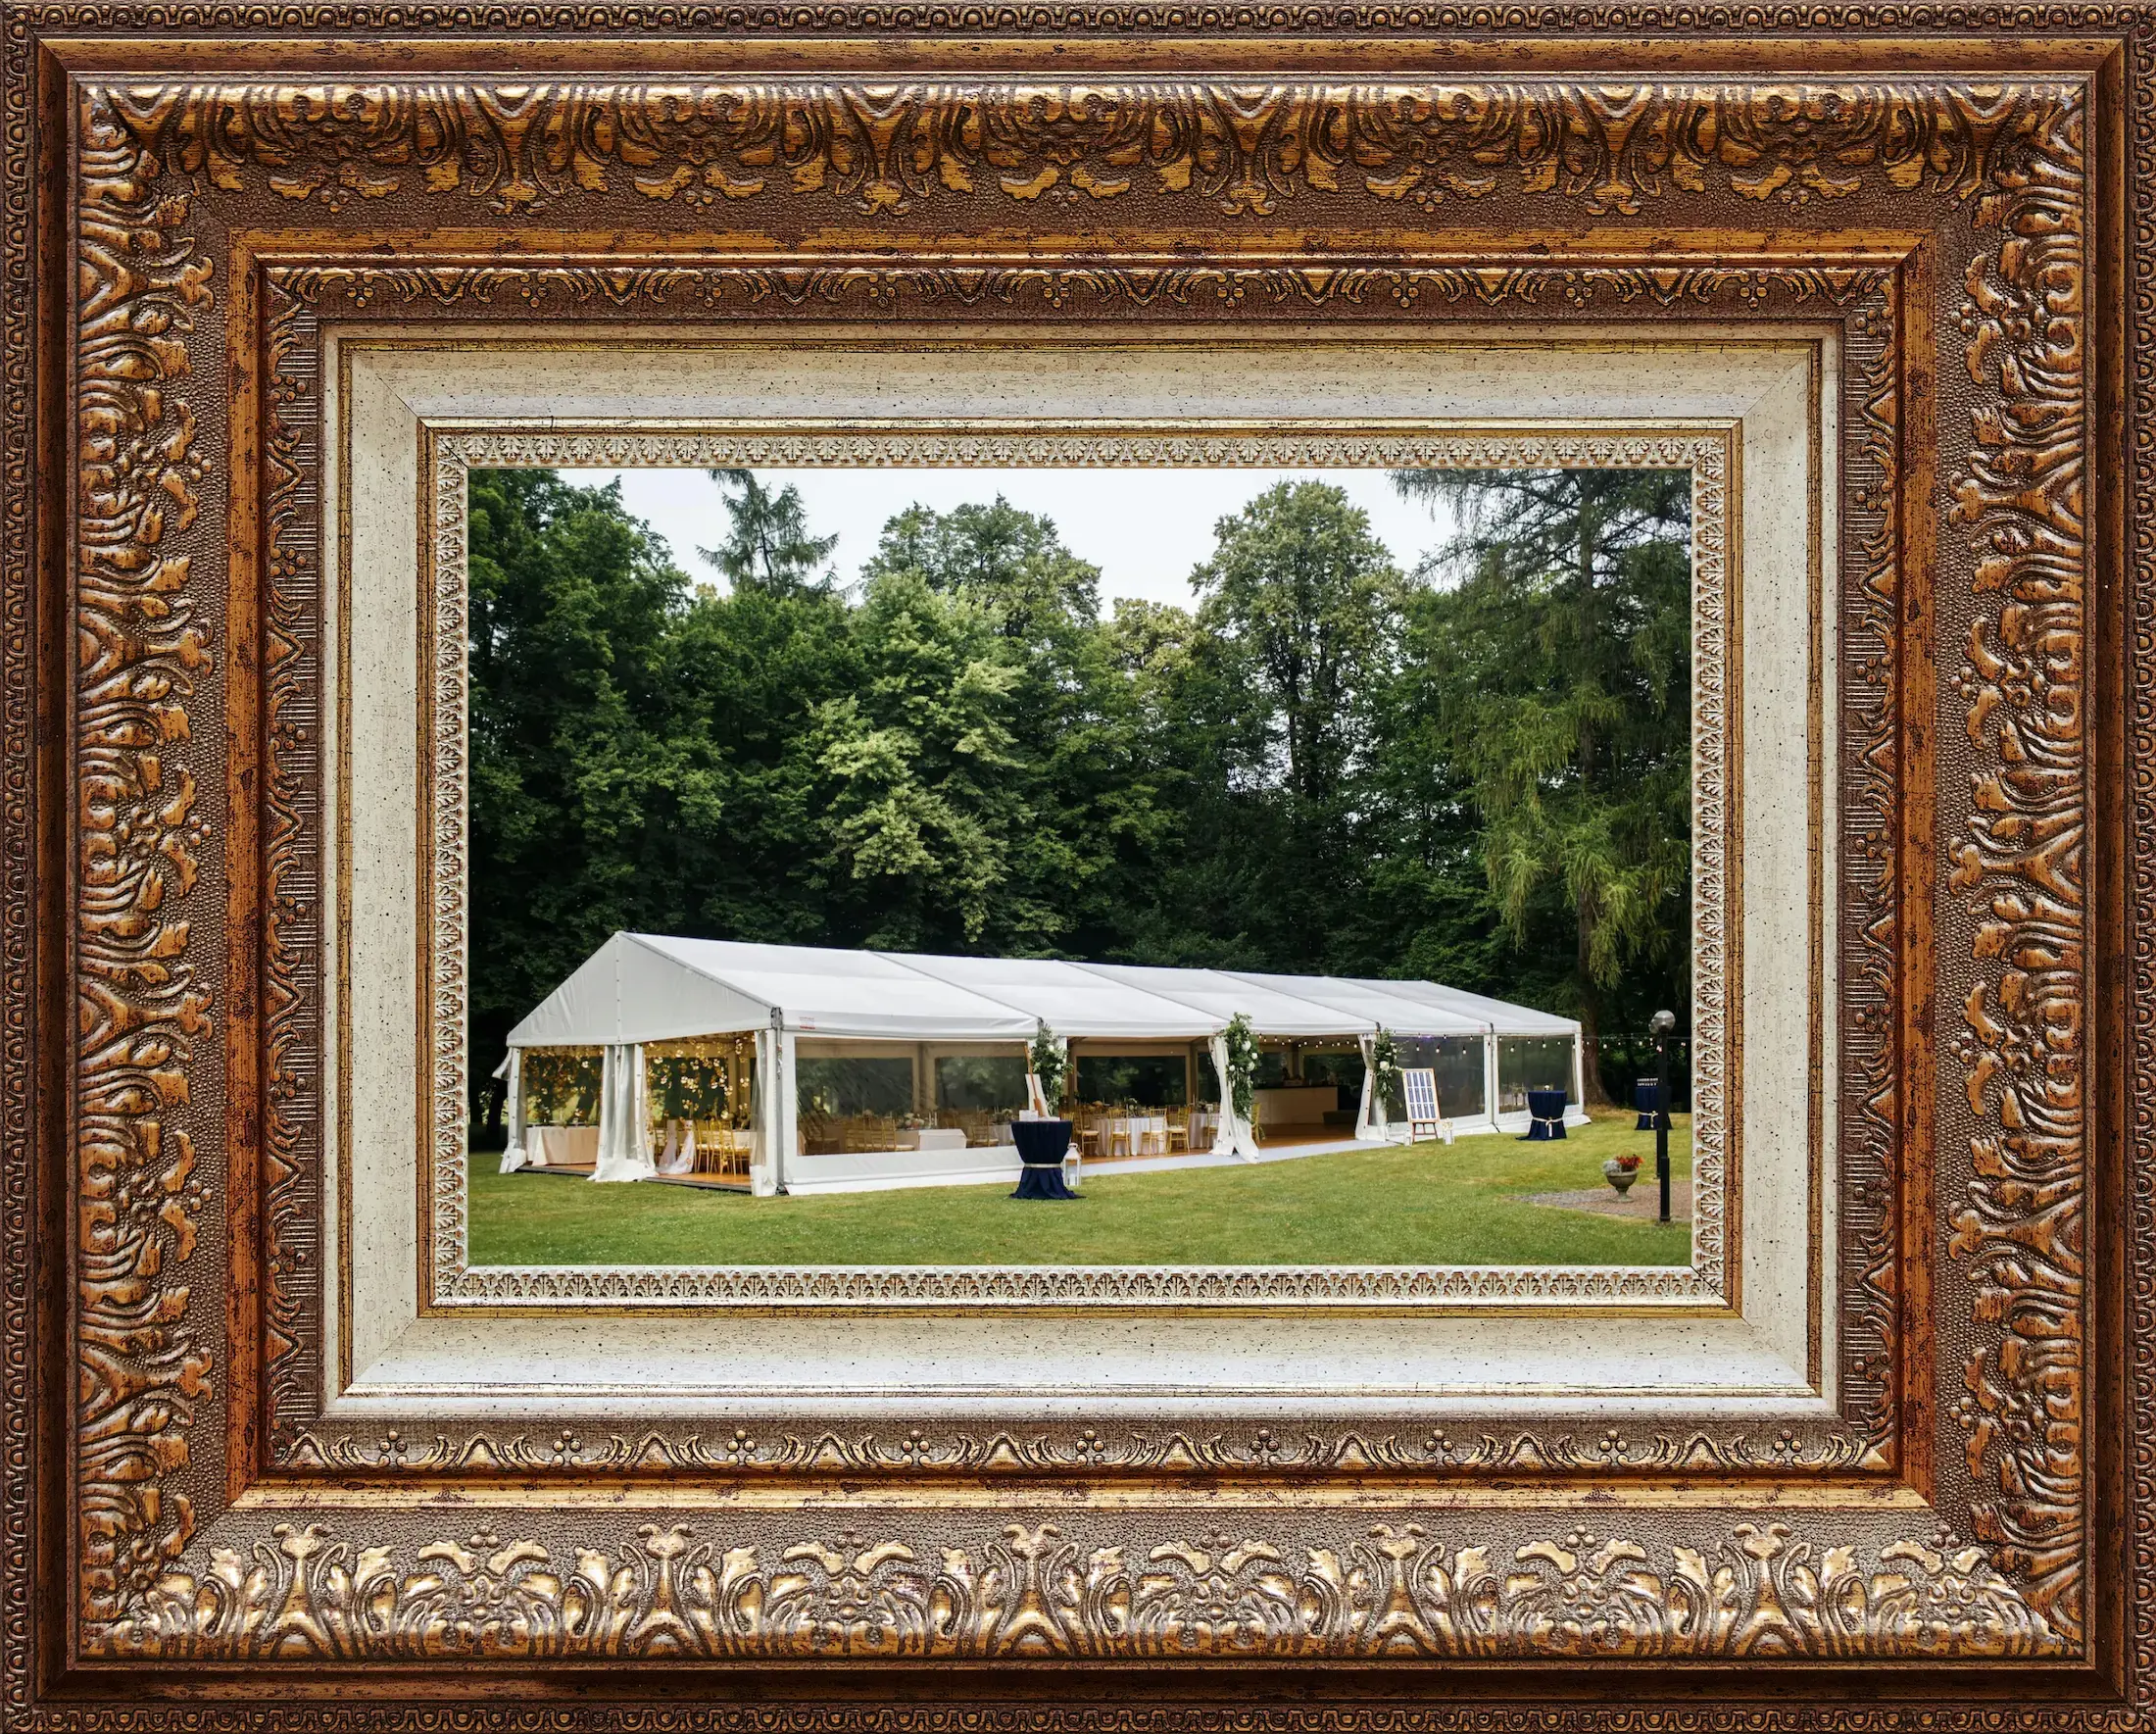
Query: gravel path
x,y
1641,1205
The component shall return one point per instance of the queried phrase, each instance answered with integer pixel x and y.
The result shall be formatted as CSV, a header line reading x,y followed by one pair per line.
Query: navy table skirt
x,y
1643,1099
1042,1145
1549,1109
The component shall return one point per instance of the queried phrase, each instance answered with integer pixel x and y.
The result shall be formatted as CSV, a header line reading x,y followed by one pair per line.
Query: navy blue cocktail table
x,y
1548,1108
1042,1145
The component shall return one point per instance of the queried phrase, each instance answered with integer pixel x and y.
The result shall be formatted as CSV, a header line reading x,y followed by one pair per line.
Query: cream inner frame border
x,y
1755,406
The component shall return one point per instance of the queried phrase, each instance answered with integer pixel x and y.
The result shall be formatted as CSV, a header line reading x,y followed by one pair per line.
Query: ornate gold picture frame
x,y
203,1525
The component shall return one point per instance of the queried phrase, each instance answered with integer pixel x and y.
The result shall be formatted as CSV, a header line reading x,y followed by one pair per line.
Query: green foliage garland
x,y
1385,1068
561,1089
688,1086
1049,1061
1241,1040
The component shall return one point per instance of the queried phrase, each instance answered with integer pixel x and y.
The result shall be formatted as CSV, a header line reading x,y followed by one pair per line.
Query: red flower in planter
x,y
1628,1162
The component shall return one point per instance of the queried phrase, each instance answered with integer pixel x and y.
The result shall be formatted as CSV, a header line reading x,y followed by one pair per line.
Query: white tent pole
x,y
1579,1069
763,1102
513,1152
784,1077
1489,1075
790,1107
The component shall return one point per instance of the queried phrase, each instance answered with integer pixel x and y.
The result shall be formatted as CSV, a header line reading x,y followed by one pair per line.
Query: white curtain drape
x,y
1235,1136
1370,1123
513,1152
679,1155
624,1116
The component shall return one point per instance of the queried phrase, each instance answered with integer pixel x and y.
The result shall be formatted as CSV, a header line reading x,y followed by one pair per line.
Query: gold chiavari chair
x,y
738,1145
1179,1129
721,1148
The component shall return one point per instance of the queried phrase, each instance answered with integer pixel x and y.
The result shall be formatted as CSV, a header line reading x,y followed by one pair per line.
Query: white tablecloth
x,y
563,1146
934,1138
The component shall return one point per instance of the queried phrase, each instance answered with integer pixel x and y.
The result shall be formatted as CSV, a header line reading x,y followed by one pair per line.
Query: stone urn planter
x,y
1619,1176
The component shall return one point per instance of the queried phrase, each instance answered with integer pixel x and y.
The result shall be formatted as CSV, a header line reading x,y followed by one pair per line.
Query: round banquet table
x,y
1548,1107
1042,1145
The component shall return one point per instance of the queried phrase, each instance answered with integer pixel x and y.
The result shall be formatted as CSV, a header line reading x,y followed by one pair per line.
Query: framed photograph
x,y
881,869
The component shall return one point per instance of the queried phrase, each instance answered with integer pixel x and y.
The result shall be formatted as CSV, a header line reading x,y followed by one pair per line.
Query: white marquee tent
x,y
639,989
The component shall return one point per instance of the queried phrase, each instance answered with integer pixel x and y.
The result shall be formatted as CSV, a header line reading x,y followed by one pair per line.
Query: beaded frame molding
x,y
1968,191
451,1277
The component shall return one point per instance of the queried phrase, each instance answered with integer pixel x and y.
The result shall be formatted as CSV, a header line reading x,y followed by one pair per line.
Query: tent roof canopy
x,y
1502,1015
642,987
1070,998
1399,1012
1221,997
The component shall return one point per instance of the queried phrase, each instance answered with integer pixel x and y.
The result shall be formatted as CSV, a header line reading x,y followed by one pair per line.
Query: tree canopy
x,y
1476,772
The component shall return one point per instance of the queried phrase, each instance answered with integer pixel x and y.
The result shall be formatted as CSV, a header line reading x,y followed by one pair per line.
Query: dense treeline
x,y
1477,772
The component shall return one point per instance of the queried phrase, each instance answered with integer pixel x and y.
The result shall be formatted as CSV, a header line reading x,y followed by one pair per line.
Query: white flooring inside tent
x,y
899,1170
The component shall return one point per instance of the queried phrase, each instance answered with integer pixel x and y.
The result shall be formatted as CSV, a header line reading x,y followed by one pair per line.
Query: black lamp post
x,y
1662,1024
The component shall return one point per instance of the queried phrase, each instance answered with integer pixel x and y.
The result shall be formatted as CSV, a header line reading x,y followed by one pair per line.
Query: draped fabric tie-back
x,y
1370,1122
1235,1136
513,1152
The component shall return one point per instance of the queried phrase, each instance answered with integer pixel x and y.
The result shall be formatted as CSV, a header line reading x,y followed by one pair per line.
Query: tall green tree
x,y
1300,609
767,545
1077,760
748,673
920,811
1554,661
586,781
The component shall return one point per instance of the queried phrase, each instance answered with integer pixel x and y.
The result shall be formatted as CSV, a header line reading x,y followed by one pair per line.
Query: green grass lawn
x,y
1423,1204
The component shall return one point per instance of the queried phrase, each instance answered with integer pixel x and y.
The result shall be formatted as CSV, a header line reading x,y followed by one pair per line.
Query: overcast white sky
x,y
1144,528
